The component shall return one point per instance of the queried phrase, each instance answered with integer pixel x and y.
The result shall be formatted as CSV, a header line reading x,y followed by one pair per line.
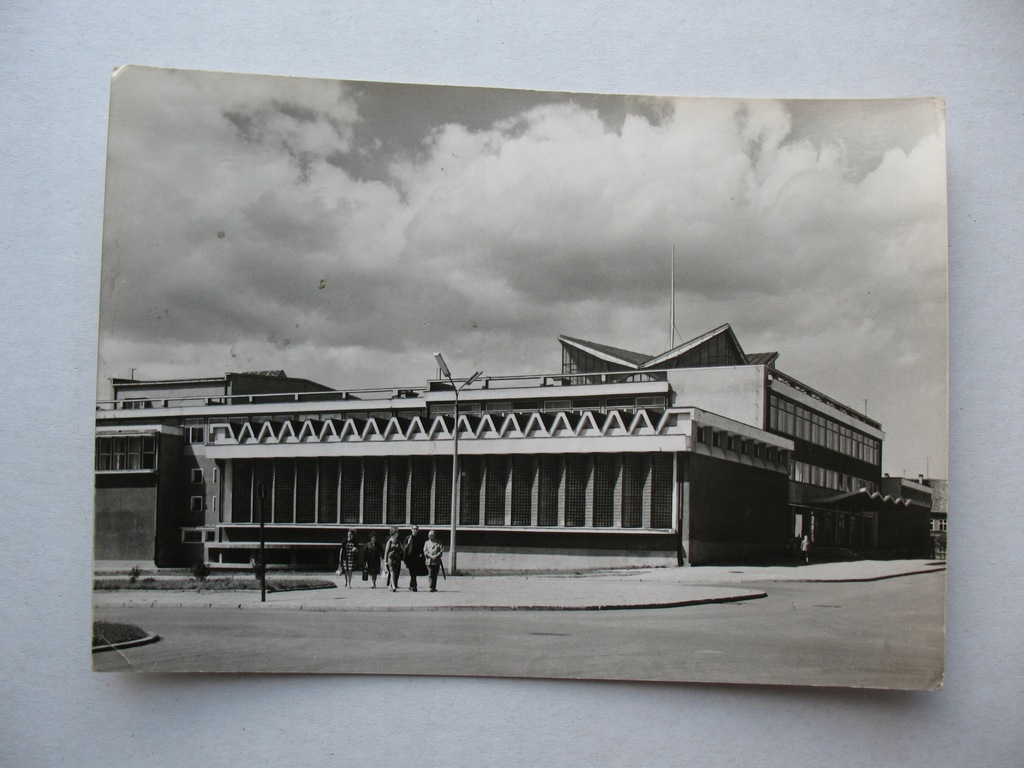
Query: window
x,y
373,490
125,453
634,476
351,486
191,536
469,490
653,401
577,475
442,490
241,491
496,478
605,480
195,431
621,403
327,490
305,490
419,493
522,489
661,490
549,480
196,504
284,490
398,482
527,405
499,406
557,405
197,476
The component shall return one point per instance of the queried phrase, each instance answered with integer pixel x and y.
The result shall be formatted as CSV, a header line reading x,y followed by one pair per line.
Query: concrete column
x,y
683,475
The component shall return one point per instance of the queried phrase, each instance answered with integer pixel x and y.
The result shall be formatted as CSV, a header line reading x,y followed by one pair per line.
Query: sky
x,y
345,231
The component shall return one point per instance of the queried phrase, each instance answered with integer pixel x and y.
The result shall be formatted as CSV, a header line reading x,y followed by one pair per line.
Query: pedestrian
x,y
393,559
372,554
432,552
347,558
413,552
805,548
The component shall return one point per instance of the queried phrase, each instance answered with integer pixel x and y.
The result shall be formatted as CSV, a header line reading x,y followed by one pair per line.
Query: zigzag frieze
x,y
471,427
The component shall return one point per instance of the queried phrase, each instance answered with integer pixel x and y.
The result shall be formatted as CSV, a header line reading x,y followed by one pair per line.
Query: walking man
x,y
413,551
432,552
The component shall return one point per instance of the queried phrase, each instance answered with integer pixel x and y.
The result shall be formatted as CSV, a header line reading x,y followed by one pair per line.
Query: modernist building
x,y
702,454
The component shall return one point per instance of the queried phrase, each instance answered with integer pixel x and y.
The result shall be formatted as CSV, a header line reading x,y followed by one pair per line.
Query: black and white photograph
x,y
404,379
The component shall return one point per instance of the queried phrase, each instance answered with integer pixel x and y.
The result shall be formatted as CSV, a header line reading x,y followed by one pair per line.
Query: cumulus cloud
x,y
269,223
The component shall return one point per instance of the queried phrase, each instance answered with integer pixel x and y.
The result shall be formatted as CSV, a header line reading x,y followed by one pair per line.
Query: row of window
x,y
802,472
791,419
744,446
601,405
581,490
124,453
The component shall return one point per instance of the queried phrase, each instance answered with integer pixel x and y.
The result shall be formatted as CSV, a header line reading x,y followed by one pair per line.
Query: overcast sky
x,y
345,231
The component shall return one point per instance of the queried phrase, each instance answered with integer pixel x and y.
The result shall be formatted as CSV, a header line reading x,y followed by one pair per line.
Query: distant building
x,y
939,515
701,454
913,523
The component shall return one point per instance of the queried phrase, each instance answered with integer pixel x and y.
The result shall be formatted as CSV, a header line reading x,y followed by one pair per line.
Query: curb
x,y
874,578
150,638
734,598
622,607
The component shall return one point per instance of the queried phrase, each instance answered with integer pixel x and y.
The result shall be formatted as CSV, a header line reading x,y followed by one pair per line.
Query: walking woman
x,y
372,554
393,559
347,558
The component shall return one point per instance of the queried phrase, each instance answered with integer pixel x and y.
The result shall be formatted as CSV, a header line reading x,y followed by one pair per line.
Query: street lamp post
x,y
456,476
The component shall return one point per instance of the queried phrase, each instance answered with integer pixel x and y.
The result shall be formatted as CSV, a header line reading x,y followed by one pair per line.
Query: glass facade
x,y
632,490
799,422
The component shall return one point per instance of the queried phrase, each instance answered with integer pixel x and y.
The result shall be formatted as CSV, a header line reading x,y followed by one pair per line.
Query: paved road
x,y
873,634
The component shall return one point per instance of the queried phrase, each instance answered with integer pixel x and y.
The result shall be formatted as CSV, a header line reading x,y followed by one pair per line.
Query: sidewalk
x,y
592,590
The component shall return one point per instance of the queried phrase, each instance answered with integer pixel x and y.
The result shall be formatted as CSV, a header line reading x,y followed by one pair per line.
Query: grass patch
x,y
228,584
113,632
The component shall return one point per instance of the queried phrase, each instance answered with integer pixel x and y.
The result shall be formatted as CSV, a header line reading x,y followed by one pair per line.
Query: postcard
x,y
438,380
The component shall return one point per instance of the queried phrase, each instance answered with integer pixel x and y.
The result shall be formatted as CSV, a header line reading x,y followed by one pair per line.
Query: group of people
x,y
421,558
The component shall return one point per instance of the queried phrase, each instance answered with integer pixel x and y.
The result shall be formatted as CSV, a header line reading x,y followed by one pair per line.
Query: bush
x,y
200,571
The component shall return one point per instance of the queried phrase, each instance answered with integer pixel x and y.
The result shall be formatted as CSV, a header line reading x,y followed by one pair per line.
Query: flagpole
x,y
672,302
